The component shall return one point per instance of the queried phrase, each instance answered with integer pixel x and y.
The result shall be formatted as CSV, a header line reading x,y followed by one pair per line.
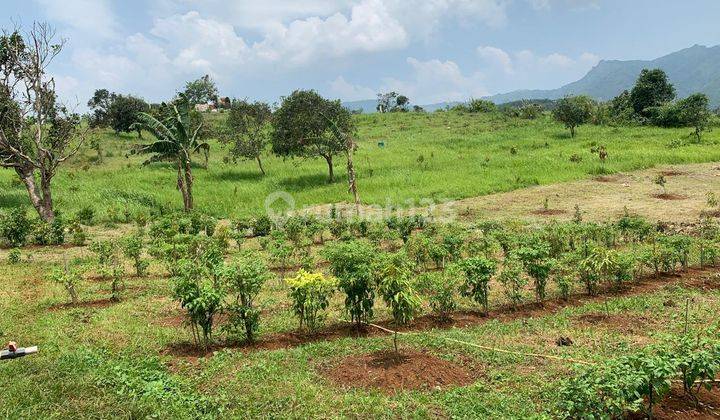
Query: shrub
x,y
14,256
132,248
311,293
86,215
535,256
200,297
52,233
15,227
69,277
77,234
261,226
478,272
352,263
441,289
513,280
279,250
243,279
393,277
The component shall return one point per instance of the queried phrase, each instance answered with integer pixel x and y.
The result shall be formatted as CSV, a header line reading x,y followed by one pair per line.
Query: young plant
x,y
661,181
513,281
441,289
478,272
132,248
69,277
535,256
393,277
243,280
14,256
200,297
311,293
352,263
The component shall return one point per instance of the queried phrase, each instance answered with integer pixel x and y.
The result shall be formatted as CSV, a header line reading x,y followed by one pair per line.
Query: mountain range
x,y
691,70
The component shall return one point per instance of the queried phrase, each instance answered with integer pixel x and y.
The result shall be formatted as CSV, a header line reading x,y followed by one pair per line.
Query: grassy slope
x,y
462,156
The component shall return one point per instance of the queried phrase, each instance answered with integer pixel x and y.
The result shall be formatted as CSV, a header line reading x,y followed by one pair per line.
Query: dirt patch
x,y
607,178
670,196
95,304
548,212
624,322
393,372
672,172
677,406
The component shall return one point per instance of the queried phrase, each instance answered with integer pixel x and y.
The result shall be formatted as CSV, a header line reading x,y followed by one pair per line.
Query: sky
x,y
431,50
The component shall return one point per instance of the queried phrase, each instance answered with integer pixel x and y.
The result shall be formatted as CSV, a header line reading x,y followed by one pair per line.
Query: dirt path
x,y
601,198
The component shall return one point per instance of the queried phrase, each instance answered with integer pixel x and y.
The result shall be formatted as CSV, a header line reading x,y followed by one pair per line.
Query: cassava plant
x,y
200,297
243,280
352,263
478,271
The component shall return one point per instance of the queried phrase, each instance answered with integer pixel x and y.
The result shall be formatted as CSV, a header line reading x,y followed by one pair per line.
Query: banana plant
x,y
177,138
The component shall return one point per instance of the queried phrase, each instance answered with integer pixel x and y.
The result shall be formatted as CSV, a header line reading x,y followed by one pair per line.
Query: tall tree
x,y
247,130
302,127
392,102
100,104
37,133
123,113
201,91
177,139
652,89
573,111
695,112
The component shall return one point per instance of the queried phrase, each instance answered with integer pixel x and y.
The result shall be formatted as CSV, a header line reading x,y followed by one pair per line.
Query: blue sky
x,y
432,50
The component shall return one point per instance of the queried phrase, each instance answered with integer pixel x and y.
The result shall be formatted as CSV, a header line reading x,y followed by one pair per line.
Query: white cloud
x,y
370,28
436,81
350,92
526,60
496,56
91,18
573,4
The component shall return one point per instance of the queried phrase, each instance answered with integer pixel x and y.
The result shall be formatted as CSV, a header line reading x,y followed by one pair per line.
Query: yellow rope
x,y
495,349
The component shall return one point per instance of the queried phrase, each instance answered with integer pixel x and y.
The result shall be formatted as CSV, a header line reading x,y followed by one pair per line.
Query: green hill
x,y
692,70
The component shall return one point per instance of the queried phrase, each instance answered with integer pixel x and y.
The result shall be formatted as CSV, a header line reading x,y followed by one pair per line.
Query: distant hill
x,y
692,70
368,106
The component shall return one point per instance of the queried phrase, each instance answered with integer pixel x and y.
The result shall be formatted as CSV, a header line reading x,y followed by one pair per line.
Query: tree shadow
x,y
237,176
302,182
13,199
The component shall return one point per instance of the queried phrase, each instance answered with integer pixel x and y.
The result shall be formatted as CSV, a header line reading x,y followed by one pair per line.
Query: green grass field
x,y
134,358
438,157
112,361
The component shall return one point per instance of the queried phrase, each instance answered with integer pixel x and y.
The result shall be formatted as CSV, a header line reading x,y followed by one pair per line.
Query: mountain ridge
x,y
691,70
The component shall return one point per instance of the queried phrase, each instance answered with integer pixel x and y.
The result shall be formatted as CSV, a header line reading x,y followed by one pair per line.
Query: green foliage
x,y
311,293
86,215
573,111
247,133
652,89
441,289
478,272
200,297
393,278
481,105
132,247
352,263
243,279
123,113
177,138
201,91
49,233
304,127
513,281
14,256
535,257
69,277
15,227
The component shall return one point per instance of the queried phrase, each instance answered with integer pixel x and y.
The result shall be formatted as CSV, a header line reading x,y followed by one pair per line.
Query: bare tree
x,y
37,133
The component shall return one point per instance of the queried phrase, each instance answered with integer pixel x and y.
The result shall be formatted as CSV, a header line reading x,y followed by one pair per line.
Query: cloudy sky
x,y
430,50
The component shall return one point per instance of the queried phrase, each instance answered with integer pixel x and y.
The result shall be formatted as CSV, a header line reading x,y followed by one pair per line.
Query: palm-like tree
x,y
176,141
